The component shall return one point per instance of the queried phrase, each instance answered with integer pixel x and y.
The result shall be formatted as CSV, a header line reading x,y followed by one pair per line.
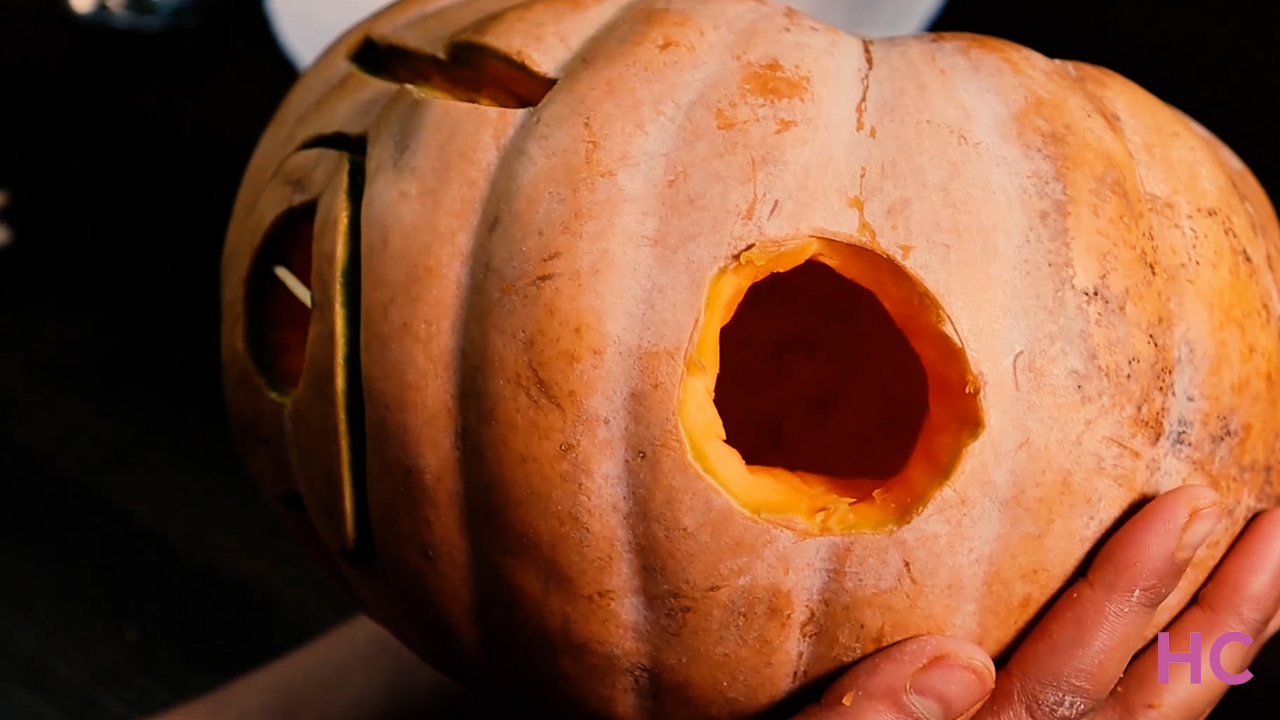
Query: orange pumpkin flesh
x,y
656,347
822,442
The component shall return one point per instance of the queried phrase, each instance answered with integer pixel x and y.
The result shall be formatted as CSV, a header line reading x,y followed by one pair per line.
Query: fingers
x,y
1070,662
1243,596
1273,627
925,678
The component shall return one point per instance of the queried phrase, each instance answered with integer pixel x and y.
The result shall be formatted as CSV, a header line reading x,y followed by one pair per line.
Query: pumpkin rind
x,y
532,284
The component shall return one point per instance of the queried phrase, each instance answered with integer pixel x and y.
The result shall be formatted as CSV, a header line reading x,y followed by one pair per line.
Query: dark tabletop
x,y
137,564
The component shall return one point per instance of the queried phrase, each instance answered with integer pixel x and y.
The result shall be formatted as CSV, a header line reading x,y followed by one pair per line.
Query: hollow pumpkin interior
x,y
277,302
824,391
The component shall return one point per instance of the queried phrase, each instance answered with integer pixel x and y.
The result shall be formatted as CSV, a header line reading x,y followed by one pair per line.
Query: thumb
x,y
924,678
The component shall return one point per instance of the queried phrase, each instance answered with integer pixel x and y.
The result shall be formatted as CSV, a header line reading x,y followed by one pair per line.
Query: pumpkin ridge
x,y
1047,130
639,542
1262,215
640,516
1094,86
818,557
609,25
642,614
471,466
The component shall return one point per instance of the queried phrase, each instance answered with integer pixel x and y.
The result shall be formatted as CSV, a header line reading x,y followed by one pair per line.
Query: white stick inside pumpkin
x,y
296,286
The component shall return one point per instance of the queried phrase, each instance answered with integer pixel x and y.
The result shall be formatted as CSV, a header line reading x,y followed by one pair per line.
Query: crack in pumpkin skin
x,y
807,501
469,72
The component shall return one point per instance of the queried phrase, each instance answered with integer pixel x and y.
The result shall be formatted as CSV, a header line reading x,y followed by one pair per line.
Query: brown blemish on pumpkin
x,y
906,250
1129,450
764,85
866,84
661,17
772,82
866,232
539,385
669,43
750,213
591,147
911,575
725,120
589,144
676,177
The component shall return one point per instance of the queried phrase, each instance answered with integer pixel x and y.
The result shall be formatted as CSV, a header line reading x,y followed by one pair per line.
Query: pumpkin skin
x,y
489,425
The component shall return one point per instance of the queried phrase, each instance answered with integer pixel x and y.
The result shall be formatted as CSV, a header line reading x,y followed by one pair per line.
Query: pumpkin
x,y
658,358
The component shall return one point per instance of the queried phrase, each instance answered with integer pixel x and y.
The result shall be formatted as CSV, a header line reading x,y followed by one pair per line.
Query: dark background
x,y
137,564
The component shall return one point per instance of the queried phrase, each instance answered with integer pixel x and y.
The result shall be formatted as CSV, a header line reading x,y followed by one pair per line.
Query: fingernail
x,y
1197,530
949,687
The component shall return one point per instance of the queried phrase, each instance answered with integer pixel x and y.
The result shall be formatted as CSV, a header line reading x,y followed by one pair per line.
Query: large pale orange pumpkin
x,y
654,358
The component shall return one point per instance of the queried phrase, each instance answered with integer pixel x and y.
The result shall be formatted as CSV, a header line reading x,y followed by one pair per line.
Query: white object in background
x,y
304,28
872,18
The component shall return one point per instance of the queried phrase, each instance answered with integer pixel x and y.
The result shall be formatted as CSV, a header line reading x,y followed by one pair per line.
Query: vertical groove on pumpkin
x,y
824,593
633,608
666,659
832,562
472,415
641,542
985,125
640,613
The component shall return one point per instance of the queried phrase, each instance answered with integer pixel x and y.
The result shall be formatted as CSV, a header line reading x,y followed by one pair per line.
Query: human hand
x,y
1078,662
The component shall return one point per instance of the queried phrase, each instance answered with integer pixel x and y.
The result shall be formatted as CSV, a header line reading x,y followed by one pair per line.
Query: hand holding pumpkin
x,y
1085,659
1066,669
656,359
